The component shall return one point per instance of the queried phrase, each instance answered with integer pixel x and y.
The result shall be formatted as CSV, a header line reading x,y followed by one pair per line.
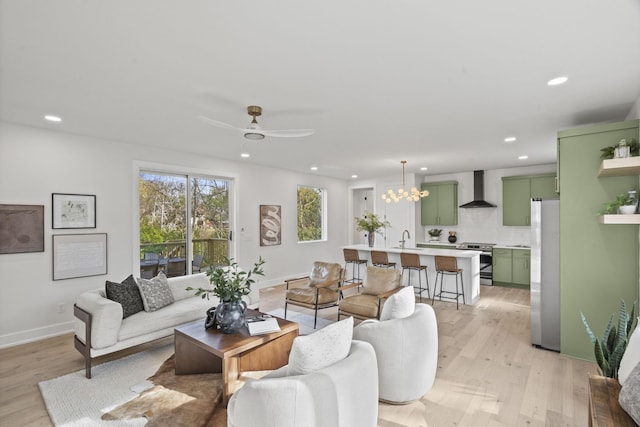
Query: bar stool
x,y
351,257
411,261
448,265
381,259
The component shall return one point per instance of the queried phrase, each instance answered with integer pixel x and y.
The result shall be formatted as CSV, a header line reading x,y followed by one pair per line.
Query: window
x,y
176,209
311,214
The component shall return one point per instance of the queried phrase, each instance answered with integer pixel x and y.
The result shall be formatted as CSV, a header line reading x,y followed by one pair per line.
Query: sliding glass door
x,y
184,222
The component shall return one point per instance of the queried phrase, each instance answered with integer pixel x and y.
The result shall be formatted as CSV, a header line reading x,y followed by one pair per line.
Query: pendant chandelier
x,y
412,195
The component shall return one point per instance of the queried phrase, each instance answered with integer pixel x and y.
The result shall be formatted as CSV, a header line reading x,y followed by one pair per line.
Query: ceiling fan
x,y
255,131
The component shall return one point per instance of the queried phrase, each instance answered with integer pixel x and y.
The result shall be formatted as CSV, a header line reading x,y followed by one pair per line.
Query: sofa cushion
x,y
127,294
155,292
320,349
629,397
179,284
631,356
176,314
399,305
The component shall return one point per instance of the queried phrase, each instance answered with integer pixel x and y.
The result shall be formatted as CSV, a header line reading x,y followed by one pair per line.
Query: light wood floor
x,y
488,373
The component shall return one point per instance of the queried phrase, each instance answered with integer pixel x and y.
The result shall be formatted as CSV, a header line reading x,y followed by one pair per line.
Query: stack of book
x,y
263,324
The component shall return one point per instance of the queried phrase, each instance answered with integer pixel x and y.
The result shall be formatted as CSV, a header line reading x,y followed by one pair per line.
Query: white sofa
x,y
344,394
100,328
407,352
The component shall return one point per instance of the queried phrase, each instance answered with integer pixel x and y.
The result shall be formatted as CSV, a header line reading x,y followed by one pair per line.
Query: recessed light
x,y
557,81
424,168
510,139
523,157
354,176
245,155
52,118
314,168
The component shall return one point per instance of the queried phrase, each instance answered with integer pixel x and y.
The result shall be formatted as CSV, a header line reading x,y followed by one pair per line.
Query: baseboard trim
x,y
36,334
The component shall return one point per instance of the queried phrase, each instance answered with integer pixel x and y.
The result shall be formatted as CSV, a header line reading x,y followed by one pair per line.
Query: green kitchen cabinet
x,y
440,207
502,269
521,266
511,267
517,192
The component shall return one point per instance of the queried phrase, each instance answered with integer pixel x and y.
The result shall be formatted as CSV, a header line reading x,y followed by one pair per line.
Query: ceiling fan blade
x,y
218,123
288,133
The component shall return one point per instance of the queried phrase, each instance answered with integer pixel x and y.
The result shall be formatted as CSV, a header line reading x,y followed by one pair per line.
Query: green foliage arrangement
x,y
229,283
612,206
610,348
608,152
370,223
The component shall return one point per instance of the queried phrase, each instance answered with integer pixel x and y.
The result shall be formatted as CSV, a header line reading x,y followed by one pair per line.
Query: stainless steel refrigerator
x,y
545,273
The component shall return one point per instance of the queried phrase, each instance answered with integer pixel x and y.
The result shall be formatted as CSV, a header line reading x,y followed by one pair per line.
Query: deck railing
x,y
214,251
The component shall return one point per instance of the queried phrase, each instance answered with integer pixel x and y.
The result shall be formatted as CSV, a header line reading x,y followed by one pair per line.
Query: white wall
x,y
35,163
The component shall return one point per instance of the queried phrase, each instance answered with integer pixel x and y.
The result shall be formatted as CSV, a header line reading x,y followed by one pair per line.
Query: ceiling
x,y
439,84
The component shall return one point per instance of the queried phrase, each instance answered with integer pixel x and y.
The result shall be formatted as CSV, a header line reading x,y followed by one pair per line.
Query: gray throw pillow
x,y
630,394
155,292
127,294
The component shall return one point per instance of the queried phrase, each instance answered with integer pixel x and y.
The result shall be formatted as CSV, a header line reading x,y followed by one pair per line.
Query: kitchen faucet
x,y
403,239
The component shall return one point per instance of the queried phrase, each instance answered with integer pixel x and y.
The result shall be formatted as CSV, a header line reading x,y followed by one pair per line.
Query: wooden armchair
x,y
379,283
321,289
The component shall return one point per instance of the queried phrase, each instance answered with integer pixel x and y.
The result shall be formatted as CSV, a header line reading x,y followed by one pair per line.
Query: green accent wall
x,y
598,263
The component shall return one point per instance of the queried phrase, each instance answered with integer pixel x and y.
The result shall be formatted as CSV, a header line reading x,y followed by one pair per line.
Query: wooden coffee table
x,y
199,350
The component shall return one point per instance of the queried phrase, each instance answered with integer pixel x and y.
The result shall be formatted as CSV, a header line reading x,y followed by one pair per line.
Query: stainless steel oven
x,y
486,259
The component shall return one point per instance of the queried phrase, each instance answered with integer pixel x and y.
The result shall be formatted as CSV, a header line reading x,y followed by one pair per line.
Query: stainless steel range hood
x,y
478,193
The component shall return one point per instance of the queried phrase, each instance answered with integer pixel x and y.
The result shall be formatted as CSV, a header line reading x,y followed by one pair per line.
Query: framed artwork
x,y
73,211
270,225
79,255
21,228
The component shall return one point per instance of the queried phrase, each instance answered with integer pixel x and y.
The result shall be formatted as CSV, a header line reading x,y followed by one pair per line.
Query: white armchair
x,y
407,353
344,394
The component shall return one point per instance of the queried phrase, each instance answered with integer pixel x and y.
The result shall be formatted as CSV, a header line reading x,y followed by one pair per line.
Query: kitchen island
x,y
468,261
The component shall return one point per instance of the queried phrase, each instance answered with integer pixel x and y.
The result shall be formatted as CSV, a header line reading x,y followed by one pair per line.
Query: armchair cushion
x,y
360,305
380,280
310,353
324,272
127,294
308,295
399,305
155,292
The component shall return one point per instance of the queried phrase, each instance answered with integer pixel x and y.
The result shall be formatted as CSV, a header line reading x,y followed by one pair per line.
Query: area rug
x,y
127,392
304,321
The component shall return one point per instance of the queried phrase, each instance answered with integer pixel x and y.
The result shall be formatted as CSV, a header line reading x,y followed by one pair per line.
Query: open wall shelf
x,y
619,219
620,167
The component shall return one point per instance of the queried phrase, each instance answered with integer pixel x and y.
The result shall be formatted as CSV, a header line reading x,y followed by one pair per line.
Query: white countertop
x,y
422,251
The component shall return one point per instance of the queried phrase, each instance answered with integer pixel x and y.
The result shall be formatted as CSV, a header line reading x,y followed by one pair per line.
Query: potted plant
x,y
371,224
230,284
609,349
622,204
435,233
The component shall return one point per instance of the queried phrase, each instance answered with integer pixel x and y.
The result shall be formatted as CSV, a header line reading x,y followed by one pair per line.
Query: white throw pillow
x,y
631,356
320,349
399,305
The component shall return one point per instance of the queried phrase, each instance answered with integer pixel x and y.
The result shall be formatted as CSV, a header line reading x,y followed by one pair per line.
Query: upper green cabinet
x,y
517,192
440,207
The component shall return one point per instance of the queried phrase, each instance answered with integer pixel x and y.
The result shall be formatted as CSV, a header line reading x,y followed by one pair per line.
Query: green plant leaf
x,y
592,336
